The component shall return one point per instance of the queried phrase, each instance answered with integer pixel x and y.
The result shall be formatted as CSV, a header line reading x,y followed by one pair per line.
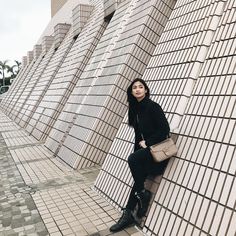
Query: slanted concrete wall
x,y
192,76
42,82
68,75
60,31
89,136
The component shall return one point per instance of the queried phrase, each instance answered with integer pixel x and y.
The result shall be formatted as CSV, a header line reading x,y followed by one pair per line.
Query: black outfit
x,y
153,126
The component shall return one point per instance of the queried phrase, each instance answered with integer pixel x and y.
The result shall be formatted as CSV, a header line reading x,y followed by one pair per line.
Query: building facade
x,y
56,5
72,97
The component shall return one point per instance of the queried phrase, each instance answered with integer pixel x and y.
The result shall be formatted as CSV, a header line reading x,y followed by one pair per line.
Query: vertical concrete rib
x,y
44,81
68,75
13,88
30,83
171,75
101,112
55,140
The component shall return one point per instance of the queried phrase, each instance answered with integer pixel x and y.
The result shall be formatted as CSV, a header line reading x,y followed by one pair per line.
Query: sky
x,y
21,24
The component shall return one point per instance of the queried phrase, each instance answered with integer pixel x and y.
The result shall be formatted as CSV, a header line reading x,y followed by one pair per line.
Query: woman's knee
x,y
138,158
131,159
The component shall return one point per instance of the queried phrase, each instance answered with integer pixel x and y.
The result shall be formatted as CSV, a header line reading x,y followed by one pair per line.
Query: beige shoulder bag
x,y
163,150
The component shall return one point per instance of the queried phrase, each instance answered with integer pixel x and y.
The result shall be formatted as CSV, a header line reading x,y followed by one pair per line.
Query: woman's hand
x,y
142,144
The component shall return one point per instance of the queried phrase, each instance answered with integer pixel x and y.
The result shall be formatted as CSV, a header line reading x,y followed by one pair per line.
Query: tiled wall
x,y
13,88
30,56
60,31
47,43
170,76
28,85
110,6
37,50
192,76
42,83
67,76
10,104
32,67
90,73
73,97
24,61
197,193
89,135
81,14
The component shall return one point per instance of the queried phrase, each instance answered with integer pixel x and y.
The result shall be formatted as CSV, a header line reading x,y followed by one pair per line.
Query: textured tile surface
x,y
74,99
39,195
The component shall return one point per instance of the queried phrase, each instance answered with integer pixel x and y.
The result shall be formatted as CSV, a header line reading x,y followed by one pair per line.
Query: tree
x,y
7,72
3,68
16,68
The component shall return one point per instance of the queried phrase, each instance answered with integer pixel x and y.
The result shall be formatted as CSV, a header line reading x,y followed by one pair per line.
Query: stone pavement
x,y
40,195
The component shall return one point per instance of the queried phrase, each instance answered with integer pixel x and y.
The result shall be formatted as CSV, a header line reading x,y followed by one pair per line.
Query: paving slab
x,y
40,195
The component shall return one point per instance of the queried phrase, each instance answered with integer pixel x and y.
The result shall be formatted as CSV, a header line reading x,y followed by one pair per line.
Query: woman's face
x,y
139,91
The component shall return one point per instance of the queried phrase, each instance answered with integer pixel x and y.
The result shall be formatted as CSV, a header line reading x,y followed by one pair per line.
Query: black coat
x,y
152,123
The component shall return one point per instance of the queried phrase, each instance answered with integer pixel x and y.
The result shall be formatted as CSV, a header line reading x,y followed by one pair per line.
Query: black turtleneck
x,y
152,123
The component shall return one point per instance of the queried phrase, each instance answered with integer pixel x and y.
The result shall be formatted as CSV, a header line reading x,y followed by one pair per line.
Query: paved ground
x,y
39,195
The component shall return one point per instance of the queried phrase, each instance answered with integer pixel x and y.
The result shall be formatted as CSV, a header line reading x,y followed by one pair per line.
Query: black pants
x,y
141,165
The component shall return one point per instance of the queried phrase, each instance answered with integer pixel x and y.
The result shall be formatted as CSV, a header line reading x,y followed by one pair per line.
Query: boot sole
x,y
124,227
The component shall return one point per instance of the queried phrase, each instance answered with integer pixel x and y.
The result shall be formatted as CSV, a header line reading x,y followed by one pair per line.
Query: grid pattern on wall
x,y
110,6
37,50
29,83
191,75
43,82
172,90
31,70
60,31
28,70
91,72
47,42
178,59
104,106
13,88
24,61
18,109
80,15
115,170
68,75
30,56
22,80
172,73
197,193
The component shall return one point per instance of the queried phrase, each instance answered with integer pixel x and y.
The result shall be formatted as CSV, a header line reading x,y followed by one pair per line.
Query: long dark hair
x,y
133,101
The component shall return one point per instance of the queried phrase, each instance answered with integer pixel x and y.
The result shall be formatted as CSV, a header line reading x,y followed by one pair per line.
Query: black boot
x,y
126,220
143,198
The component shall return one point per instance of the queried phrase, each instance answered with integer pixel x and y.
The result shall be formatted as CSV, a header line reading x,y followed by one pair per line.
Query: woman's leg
x,y
138,164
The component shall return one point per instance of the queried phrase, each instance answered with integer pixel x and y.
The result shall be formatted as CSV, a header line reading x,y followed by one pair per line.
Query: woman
x,y
150,127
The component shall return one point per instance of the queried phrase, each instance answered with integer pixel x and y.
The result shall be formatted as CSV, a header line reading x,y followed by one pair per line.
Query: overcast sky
x,y
21,24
